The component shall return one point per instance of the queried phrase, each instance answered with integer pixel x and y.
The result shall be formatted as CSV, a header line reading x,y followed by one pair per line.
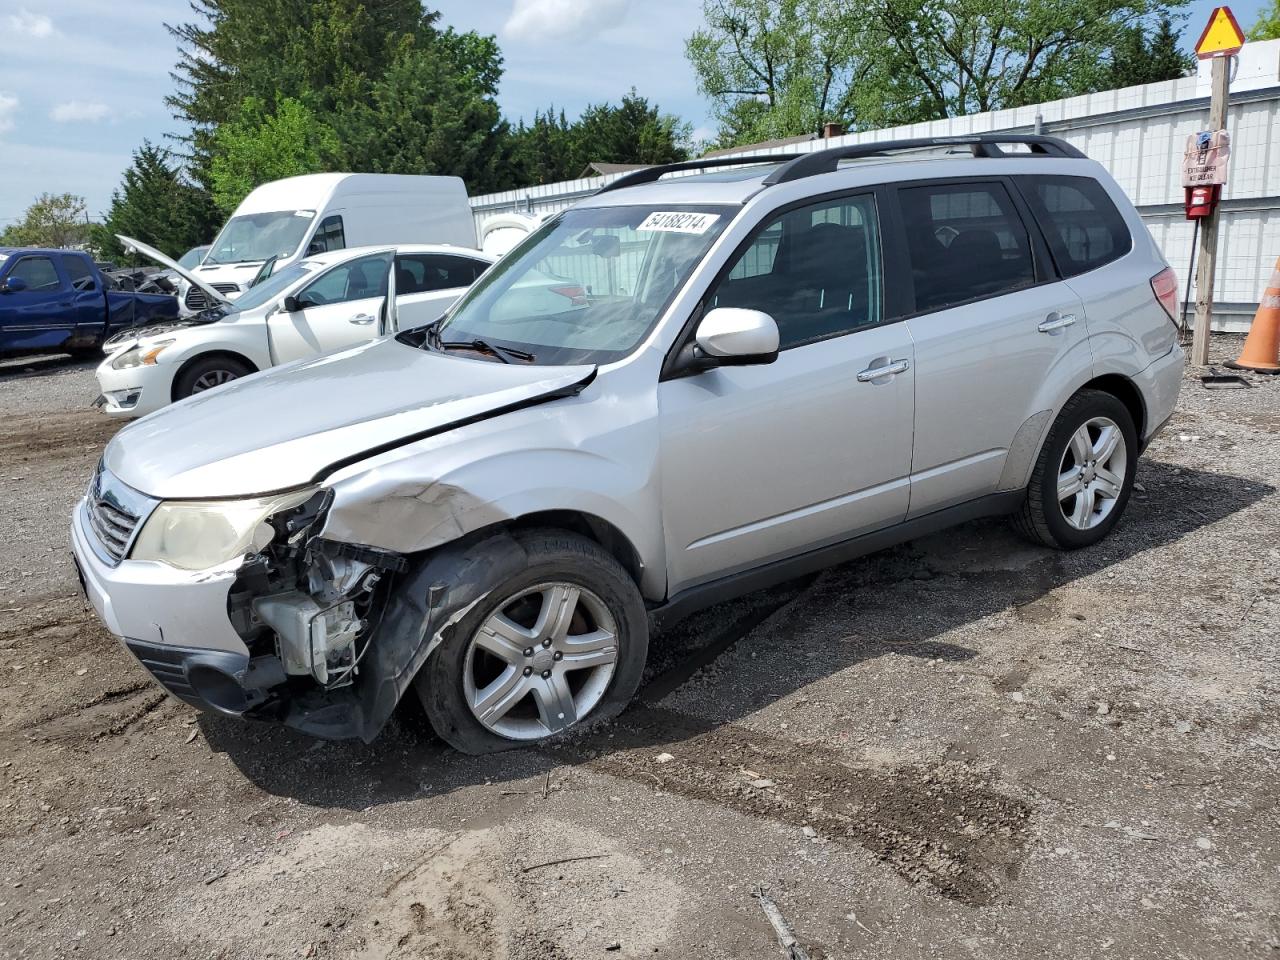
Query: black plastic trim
x,y
690,601
651,174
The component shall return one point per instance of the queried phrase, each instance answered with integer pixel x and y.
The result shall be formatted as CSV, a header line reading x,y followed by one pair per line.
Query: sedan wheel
x,y
214,378
541,661
1091,475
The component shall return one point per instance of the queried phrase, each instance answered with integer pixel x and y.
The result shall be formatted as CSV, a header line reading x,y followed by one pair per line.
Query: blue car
x,y
58,301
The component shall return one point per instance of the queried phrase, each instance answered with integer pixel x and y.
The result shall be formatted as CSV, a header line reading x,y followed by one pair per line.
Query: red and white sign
x,y
1204,161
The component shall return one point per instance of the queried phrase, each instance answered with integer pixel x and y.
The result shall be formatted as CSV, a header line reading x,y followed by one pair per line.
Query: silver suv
x,y
681,389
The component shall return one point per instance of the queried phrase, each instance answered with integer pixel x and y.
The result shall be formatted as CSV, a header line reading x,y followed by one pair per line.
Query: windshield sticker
x,y
676,222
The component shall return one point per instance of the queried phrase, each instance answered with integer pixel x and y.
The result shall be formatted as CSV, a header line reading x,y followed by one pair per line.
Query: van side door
x,y
996,332
427,284
337,309
764,462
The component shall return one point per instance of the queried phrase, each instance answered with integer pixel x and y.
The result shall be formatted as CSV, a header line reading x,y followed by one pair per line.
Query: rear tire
x,y
1082,479
207,373
560,644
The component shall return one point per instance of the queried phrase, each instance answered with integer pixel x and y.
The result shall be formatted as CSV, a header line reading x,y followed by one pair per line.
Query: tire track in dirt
x,y
50,437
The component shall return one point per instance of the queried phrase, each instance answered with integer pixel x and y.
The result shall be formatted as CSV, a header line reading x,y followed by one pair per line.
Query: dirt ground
x,y
963,747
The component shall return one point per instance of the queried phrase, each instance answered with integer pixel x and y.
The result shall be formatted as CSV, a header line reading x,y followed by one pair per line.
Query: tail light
x,y
1165,286
576,295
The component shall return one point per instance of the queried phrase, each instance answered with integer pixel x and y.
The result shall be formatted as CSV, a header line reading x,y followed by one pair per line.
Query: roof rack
x,y
650,174
981,145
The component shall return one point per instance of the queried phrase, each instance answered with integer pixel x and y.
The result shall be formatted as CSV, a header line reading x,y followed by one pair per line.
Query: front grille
x,y
113,512
197,299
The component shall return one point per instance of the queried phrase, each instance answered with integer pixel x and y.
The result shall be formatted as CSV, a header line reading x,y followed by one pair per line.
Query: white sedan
x,y
323,303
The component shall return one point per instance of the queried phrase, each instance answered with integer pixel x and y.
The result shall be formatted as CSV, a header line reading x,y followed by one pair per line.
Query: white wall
x,y
1138,133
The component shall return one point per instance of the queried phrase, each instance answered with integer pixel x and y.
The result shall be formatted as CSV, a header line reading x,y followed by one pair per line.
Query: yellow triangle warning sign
x,y
1222,36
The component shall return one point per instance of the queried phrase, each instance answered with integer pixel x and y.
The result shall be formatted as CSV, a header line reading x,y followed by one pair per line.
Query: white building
x,y
1138,133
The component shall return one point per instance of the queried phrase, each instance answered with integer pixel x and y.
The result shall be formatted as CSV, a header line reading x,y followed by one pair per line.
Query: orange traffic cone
x,y
1261,351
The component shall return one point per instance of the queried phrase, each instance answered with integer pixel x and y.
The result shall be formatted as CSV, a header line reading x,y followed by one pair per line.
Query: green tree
x,y
156,204
1267,26
544,150
433,112
1138,57
259,146
53,220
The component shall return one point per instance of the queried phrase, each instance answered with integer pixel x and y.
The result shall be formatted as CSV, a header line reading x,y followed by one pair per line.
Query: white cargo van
x,y
298,216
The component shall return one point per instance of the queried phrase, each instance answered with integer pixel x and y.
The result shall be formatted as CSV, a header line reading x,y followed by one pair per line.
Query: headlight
x,y
197,535
139,356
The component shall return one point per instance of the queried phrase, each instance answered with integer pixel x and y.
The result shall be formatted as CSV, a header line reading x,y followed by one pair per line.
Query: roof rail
x,y
650,174
981,145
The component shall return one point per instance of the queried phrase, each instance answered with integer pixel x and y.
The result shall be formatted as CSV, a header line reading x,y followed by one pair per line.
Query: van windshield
x,y
254,237
585,287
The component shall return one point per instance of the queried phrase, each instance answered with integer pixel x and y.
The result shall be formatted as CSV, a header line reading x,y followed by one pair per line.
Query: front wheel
x,y
560,643
207,373
1084,475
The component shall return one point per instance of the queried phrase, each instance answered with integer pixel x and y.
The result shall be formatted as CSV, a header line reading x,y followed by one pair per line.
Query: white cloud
x,y
543,20
30,24
76,111
8,107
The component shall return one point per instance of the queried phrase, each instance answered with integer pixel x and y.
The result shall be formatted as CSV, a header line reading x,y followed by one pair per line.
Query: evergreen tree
x,y
1138,58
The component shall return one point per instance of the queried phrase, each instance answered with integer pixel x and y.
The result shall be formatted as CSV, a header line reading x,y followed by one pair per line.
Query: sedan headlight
x,y
143,355
199,534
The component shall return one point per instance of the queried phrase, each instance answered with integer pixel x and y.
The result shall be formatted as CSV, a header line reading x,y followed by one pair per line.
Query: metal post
x,y
1208,254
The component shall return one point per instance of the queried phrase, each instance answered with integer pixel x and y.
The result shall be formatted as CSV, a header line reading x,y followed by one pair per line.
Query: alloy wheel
x,y
214,378
541,662
1091,475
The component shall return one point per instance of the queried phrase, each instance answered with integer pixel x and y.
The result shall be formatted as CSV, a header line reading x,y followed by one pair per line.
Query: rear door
x,y
427,284
88,300
995,332
767,461
42,315
337,309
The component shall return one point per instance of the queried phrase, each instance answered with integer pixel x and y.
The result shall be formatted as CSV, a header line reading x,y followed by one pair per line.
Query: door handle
x,y
893,368
1057,322
361,319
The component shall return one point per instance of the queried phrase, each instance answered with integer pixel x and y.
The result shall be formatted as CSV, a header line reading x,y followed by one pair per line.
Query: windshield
x,y
257,236
192,257
587,286
274,285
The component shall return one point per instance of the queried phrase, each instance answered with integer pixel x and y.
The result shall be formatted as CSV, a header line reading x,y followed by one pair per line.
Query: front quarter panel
x,y
593,454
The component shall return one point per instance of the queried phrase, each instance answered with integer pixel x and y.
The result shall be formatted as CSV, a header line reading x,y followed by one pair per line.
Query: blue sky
x,y
82,82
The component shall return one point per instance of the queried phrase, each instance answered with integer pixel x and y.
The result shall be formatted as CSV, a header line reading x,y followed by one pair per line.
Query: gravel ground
x,y
965,746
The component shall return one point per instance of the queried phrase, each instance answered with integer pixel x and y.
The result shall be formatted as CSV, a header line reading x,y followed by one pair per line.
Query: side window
x,y
424,272
328,236
965,241
816,270
1082,225
39,272
354,280
79,272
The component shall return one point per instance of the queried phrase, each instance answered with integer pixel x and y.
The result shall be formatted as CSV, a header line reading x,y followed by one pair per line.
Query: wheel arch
x,y
200,357
1127,392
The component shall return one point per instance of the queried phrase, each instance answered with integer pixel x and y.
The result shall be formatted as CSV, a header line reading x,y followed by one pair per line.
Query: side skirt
x,y
704,595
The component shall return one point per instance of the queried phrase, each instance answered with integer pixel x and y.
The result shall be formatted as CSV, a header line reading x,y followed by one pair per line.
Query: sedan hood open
x,y
292,425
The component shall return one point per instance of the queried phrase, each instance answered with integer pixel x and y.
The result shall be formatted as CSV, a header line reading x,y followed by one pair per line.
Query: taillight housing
x,y
1165,286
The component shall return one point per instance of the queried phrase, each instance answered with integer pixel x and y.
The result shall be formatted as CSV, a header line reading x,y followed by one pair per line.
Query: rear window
x,y
1082,225
79,272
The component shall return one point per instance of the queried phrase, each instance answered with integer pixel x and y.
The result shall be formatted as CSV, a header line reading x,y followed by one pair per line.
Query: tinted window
x,y
965,241
79,272
422,272
816,270
39,272
1082,225
355,280
329,236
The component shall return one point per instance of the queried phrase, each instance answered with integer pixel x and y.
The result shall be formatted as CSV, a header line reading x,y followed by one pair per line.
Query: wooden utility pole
x,y
1208,252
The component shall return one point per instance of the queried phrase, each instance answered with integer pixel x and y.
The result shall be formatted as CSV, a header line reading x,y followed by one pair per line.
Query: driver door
x,y
338,309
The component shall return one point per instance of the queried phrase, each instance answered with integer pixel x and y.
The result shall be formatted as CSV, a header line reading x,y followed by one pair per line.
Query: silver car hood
x,y
291,425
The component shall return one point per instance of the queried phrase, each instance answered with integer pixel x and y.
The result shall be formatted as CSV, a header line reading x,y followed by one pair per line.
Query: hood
x,y
160,258
292,425
130,336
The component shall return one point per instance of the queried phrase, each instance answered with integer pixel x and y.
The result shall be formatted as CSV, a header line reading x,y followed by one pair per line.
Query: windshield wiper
x,y
505,354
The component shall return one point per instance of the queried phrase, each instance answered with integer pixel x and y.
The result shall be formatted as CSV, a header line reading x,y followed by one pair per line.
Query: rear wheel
x,y
207,373
1084,475
561,643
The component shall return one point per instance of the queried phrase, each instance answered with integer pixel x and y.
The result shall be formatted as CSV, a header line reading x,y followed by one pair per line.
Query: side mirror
x,y
291,304
314,247
733,336
13,285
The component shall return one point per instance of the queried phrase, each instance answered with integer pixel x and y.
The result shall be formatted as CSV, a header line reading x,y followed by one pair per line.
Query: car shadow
x,y
407,761
37,365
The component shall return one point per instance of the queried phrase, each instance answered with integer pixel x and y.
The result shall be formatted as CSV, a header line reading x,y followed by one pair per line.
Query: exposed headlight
x,y
199,534
139,356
